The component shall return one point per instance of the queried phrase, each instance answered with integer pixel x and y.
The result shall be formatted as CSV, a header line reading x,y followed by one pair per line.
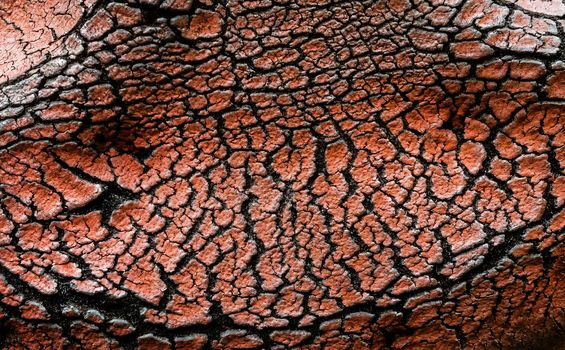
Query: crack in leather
x,y
286,174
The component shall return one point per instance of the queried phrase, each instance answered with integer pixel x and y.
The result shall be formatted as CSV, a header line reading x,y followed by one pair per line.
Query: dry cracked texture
x,y
282,174
33,30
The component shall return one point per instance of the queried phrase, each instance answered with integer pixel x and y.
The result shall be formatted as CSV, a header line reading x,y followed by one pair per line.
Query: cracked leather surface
x,y
282,174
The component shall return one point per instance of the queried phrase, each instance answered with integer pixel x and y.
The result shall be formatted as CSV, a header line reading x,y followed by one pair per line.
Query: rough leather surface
x,y
282,174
